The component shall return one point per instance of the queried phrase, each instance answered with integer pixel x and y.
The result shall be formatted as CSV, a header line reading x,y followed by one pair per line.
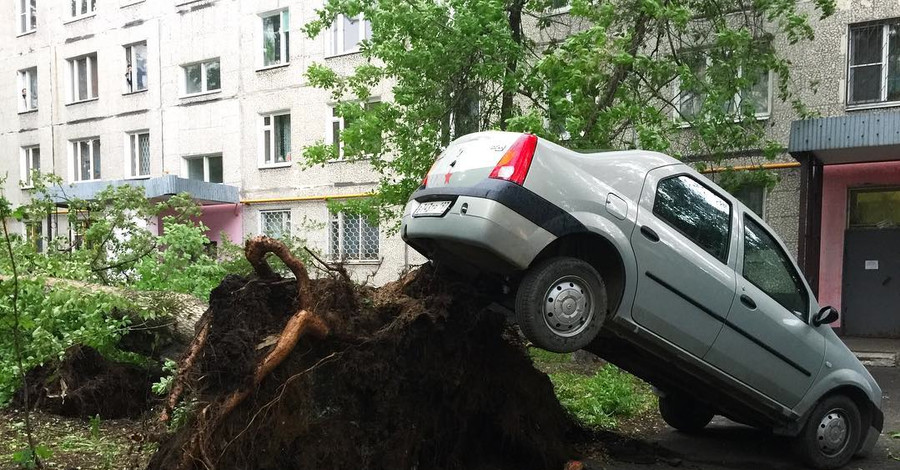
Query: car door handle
x,y
649,234
746,300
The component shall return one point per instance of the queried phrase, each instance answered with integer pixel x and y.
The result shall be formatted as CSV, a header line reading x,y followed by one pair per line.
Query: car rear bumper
x,y
476,231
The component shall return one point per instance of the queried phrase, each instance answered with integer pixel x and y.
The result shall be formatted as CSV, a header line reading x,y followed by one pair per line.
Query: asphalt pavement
x,y
728,445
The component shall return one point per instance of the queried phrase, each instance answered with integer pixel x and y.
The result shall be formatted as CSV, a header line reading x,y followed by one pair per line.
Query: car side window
x,y
698,213
768,267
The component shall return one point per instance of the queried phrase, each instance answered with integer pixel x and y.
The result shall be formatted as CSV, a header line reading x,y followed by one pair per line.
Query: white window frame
x,y
90,80
337,253
335,38
284,49
25,81
91,9
738,100
28,160
885,54
75,159
133,150
26,10
204,84
276,211
329,129
205,158
27,235
263,143
131,58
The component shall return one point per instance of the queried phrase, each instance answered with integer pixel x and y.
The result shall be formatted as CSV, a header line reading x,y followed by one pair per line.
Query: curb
x,y
877,359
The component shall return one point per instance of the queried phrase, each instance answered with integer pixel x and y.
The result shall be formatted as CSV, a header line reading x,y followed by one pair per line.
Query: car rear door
x,y
767,342
684,250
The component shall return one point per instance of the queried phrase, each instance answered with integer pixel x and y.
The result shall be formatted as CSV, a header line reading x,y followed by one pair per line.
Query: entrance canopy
x,y
867,137
155,188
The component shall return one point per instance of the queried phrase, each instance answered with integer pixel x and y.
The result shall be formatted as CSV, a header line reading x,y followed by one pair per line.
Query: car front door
x,y
766,342
683,247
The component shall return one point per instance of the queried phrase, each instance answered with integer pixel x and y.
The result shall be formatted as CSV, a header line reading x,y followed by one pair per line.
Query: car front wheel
x,y
561,304
832,433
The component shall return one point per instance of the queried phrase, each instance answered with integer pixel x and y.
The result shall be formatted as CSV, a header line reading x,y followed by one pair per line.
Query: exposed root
x,y
256,249
186,366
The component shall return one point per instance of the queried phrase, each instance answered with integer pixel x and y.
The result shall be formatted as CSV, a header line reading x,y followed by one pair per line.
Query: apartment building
x,y
209,97
206,97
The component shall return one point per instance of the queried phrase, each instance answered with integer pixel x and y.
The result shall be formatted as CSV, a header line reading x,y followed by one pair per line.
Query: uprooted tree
x,y
307,373
606,75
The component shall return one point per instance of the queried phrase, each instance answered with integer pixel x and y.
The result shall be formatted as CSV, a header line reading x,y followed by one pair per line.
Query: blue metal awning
x,y
155,188
871,136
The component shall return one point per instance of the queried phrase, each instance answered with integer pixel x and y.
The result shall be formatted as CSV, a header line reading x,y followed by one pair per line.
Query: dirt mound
x,y
416,374
84,384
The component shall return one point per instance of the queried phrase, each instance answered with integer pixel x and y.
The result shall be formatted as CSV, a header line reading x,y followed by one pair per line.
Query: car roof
x,y
642,159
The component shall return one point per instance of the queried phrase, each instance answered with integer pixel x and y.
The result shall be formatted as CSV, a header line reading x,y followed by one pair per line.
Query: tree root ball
x,y
416,374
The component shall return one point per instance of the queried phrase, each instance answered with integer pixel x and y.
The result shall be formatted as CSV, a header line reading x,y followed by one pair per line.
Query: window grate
x,y
276,224
353,238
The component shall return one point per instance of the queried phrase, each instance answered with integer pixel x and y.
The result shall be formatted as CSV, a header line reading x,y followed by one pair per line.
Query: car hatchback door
x,y
766,342
682,243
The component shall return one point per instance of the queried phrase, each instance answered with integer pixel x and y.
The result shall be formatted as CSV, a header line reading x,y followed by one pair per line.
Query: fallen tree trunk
x,y
176,312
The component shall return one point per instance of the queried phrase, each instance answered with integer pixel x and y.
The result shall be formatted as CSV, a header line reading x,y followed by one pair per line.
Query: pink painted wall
x,y
220,218
837,180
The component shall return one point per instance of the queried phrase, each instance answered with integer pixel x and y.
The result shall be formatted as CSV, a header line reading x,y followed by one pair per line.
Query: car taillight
x,y
425,179
514,164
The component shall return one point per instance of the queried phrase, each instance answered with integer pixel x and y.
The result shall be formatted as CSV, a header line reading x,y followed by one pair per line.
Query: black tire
x,y
684,414
824,425
552,289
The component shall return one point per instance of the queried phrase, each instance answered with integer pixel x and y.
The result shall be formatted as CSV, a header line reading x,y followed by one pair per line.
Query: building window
x,y
338,124
202,77
347,33
696,212
275,224
353,238
27,15
204,168
136,67
86,160
31,162
83,75
83,7
874,63
34,235
874,208
28,83
276,139
758,97
753,196
276,44
139,153
78,229
558,6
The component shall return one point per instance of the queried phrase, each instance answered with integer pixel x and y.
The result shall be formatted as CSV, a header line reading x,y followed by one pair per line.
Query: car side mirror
x,y
826,315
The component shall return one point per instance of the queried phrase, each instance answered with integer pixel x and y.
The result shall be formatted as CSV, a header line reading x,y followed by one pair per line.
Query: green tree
x,y
603,76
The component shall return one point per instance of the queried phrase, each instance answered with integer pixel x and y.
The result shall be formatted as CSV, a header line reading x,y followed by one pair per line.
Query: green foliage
x,y
603,398
170,369
27,458
95,427
603,76
546,357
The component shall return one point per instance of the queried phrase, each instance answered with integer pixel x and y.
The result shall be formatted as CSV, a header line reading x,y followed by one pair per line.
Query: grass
x,y
598,396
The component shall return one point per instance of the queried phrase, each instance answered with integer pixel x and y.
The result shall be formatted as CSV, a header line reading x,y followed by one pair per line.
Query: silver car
x,y
637,257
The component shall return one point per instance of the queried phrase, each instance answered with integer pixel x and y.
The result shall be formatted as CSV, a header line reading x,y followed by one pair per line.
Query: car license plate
x,y
431,209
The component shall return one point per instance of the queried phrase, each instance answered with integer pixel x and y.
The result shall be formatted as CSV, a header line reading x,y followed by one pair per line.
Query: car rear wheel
x,y
683,413
832,433
561,304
